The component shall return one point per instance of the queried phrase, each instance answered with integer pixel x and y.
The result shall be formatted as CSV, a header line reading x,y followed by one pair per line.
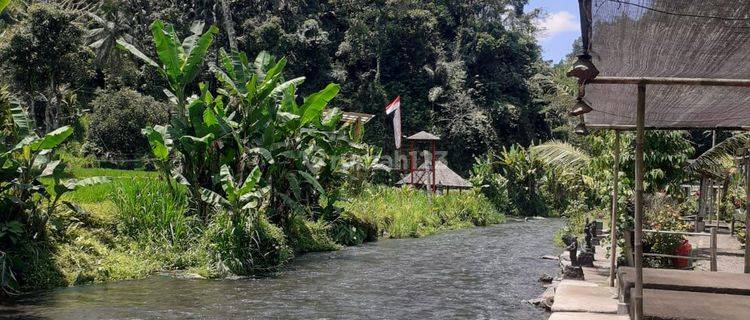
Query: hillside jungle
x,y
205,137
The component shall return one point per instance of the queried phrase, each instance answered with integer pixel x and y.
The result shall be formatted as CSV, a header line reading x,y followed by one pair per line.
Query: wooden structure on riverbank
x,y
422,174
692,57
444,179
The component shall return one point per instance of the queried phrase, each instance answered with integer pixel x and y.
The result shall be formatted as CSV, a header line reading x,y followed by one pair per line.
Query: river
x,y
477,273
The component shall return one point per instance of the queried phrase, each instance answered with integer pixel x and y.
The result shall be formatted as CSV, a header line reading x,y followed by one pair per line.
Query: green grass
x,y
102,192
129,230
112,173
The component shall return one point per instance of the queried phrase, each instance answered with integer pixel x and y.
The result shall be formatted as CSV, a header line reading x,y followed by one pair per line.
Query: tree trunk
x,y
229,24
722,210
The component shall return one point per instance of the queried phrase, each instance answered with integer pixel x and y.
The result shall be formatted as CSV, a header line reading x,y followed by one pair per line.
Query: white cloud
x,y
556,23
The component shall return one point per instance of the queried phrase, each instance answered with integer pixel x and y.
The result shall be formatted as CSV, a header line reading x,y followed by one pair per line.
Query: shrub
x,y
350,233
307,236
491,183
661,214
249,246
71,154
469,207
117,118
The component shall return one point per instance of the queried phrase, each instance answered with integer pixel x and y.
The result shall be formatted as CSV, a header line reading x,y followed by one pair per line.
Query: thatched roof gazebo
x,y
445,178
423,136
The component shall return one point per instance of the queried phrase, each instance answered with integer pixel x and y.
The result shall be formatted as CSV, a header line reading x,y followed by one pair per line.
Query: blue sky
x,y
561,25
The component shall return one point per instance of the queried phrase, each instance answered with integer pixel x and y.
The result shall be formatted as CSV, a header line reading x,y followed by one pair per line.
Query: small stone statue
x,y
572,246
590,232
573,270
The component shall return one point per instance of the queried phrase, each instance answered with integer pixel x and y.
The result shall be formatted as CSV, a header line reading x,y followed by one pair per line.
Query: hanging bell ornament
x,y
583,69
580,108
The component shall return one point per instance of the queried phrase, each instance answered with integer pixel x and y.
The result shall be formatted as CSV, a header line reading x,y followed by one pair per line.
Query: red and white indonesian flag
x,y
395,108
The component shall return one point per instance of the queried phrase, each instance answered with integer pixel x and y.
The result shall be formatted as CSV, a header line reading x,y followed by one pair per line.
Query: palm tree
x,y
719,163
103,38
562,156
720,158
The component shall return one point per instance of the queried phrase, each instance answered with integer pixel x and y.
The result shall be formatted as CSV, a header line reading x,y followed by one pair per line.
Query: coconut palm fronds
x,y
719,160
561,156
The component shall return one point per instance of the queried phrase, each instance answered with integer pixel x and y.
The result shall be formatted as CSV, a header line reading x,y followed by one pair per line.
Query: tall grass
x,y
148,210
406,212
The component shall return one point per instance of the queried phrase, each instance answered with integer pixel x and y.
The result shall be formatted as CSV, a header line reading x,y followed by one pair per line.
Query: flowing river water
x,y
478,273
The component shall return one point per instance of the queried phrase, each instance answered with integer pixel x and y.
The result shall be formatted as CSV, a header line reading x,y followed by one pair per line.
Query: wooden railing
x,y
712,246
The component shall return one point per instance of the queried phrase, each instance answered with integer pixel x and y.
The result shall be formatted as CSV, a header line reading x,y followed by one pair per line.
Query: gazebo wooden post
x,y
702,193
639,122
747,213
613,217
411,161
434,173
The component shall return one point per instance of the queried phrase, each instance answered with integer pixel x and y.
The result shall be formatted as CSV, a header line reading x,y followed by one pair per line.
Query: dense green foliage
x,y
469,71
116,121
257,162
45,61
250,172
28,203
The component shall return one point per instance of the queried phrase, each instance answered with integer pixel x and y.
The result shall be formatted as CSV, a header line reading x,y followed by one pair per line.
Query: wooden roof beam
x,y
672,81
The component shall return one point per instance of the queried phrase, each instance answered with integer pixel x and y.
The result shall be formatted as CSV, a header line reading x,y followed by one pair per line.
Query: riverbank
x,y
132,228
474,273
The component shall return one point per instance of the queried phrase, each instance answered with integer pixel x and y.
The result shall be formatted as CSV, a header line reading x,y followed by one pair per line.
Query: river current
x,y
477,273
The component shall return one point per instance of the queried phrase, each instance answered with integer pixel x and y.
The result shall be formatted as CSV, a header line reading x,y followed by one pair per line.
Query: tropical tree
x,y
103,37
194,123
720,164
45,61
298,143
32,182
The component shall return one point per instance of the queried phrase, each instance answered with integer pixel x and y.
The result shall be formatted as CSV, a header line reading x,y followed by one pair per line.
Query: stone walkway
x,y
590,299
593,299
729,252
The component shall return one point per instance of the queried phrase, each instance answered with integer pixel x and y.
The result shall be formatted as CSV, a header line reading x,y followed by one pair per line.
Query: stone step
x,y
586,316
580,296
683,305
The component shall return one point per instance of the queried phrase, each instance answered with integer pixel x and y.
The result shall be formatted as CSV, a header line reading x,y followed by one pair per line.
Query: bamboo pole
x,y
702,194
630,127
613,217
672,81
640,121
747,214
714,264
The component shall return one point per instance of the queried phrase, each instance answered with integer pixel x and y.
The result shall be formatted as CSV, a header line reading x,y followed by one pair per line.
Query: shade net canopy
x,y
670,38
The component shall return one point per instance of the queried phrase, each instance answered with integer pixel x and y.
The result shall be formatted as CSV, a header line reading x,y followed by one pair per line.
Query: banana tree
x,y
180,61
239,196
25,164
300,148
199,123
